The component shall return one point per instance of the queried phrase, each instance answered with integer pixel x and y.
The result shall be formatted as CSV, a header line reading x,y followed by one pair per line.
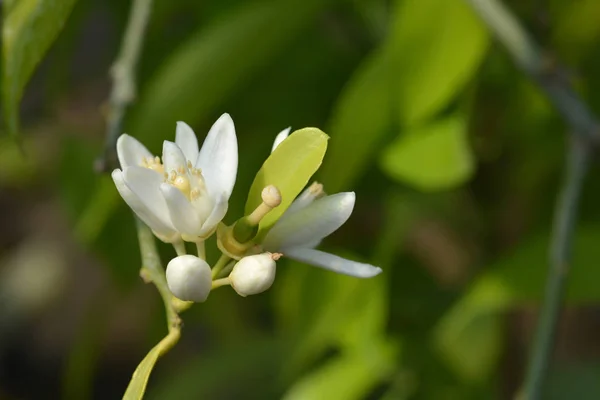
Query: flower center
x,y
153,164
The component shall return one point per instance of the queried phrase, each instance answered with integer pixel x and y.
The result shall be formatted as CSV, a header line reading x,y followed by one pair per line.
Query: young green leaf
x,y
432,157
139,380
30,27
289,168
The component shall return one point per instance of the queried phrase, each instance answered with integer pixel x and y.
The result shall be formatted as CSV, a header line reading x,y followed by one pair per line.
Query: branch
x,y
123,76
586,135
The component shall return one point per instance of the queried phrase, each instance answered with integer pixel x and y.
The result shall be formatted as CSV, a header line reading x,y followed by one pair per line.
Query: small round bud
x,y
253,274
189,278
271,196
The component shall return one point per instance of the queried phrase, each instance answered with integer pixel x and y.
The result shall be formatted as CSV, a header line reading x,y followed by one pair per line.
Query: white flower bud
x,y
189,278
253,274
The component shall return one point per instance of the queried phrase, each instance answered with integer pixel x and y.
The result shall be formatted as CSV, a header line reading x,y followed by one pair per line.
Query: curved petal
x,y
173,157
185,218
186,139
217,214
145,183
332,262
281,136
140,208
218,158
311,223
131,152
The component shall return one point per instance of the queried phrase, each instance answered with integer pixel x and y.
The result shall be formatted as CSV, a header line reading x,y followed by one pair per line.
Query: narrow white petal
x,y
311,223
173,157
281,136
185,218
186,139
145,183
218,158
332,262
131,152
140,208
217,214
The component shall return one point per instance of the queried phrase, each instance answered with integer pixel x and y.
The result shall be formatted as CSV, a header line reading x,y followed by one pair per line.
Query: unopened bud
x,y
189,278
271,196
254,274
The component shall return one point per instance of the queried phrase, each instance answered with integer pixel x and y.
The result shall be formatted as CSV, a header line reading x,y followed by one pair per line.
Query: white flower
x,y
186,195
253,274
189,278
308,220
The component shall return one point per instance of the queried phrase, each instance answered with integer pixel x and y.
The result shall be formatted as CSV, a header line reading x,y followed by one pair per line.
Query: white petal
x,y
185,218
131,152
186,139
311,223
173,157
281,136
218,158
140,208
145,183
332,262
217,214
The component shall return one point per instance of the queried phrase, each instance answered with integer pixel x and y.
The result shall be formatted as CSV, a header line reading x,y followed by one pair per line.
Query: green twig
x,y
123,90
560,255
545,72
152,271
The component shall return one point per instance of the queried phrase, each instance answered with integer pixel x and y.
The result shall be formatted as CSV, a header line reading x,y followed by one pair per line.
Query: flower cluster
x,y
184,196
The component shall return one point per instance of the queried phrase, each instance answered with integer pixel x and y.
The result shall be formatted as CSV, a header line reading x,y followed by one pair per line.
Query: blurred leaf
x,y
289,168
575,28
437,46
579,381
431,157
362,116
468,337
18,166
206,69
348,376
29,28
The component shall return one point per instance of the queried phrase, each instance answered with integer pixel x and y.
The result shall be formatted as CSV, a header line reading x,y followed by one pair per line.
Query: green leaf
x,y
139,380
289,168
362,117
437,46
349,376
208,68
30,27
431,157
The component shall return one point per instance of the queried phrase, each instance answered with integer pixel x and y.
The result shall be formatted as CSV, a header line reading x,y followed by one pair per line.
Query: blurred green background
x,y
455,156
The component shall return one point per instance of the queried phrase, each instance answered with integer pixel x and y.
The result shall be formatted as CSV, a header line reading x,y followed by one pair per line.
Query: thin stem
x,y
221,263
179,248
201,249
152,271
560,255
123,90
228,268
544,70
220,282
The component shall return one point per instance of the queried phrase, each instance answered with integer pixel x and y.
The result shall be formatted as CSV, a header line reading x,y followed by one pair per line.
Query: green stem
x,y
179,248
201,249
227,270
561,247
152,271
546,72
221,263
220,282
123,90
